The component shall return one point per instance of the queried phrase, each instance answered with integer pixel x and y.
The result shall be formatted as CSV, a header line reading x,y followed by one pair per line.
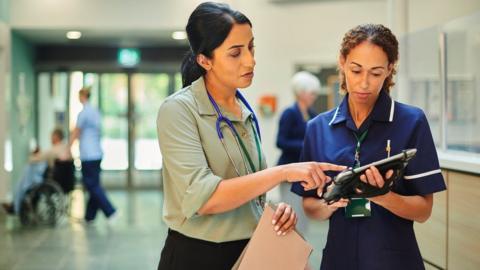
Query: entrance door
x,y
113,104
128,103
148,90
109,93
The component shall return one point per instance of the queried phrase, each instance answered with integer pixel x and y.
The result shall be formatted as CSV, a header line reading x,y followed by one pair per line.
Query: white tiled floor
x,y
134,242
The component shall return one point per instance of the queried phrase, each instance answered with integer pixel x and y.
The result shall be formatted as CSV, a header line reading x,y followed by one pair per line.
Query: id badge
x,y
358,207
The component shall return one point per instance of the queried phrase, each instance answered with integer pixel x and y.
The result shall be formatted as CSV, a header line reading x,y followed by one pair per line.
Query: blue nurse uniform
x,y
382,240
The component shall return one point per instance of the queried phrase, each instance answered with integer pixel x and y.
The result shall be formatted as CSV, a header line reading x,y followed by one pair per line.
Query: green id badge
x,y
358,207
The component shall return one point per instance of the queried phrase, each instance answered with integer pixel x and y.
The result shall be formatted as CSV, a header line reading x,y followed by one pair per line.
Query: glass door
x,y
148,91
113,104
128,103
108,93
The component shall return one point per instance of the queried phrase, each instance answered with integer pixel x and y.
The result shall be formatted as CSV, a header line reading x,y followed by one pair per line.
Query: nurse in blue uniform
x,y
367,126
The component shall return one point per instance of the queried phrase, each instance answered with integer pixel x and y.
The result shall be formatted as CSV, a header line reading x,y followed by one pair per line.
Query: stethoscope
x,y
221,118
259,202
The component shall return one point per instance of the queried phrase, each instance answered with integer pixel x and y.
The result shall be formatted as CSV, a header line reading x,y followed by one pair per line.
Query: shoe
x,y
8,207
84,222
113,218
89,222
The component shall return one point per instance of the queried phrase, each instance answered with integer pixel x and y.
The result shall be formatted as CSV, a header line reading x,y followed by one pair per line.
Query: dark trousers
x,y
97,198
185,253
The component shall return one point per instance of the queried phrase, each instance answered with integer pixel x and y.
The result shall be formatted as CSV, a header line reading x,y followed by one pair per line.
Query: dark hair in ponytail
x,y
207,28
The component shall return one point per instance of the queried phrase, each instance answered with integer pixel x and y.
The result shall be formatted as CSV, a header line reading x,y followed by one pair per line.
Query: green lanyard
x,y
260,200
360,139
244,149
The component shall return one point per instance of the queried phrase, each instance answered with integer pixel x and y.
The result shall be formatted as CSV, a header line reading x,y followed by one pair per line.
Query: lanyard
x,y
259,202
221,118
360,139
245,151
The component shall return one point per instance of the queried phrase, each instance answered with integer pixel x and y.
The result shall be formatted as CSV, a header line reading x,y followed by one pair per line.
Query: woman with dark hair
x,y
214,171
368,125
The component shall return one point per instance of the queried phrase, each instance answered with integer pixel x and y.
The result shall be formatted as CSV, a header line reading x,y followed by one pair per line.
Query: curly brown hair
x,y
376,34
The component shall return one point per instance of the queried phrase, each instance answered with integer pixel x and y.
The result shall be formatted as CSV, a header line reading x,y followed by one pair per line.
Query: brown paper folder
x,y
267,251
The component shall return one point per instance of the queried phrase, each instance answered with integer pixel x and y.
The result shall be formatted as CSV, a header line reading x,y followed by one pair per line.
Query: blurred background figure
x,y
34,171
291,132
88,131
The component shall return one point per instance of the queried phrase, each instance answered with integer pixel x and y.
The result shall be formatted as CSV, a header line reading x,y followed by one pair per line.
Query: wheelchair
x,y
46,203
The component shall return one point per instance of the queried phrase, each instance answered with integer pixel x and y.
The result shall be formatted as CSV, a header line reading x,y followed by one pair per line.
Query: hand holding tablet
x,y
347,184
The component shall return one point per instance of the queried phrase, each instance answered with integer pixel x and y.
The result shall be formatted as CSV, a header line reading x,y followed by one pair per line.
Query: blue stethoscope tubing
x,y
222,118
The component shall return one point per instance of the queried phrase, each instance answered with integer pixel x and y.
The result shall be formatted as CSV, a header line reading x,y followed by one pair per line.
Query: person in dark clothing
x,y
293,122
291,131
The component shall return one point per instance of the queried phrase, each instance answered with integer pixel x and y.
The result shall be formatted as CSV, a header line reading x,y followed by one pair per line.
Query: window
x,y
456,124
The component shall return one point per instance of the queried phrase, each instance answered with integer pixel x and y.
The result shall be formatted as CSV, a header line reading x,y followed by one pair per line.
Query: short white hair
x,y
304,81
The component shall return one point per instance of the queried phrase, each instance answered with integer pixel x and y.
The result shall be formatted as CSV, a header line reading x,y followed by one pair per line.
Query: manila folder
x,y
266,250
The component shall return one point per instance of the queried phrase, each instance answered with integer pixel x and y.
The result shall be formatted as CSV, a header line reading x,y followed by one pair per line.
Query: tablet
x,y
347,184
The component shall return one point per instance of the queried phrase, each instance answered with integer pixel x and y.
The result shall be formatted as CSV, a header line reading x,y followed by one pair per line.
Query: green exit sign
x,y
128,57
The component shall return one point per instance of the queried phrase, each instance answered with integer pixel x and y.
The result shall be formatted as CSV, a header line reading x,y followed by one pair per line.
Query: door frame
x,y
131,121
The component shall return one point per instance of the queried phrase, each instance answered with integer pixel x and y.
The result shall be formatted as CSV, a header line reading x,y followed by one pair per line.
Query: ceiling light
x,y
179,35
74,34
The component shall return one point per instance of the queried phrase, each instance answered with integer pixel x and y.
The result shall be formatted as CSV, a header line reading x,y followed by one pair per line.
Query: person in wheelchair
x,y
35,171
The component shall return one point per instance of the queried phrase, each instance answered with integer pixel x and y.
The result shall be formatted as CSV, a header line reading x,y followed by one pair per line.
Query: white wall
x,y
427,13
155,14
104,14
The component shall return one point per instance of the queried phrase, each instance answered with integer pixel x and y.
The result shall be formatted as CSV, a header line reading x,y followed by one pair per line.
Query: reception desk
x,y
450,239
